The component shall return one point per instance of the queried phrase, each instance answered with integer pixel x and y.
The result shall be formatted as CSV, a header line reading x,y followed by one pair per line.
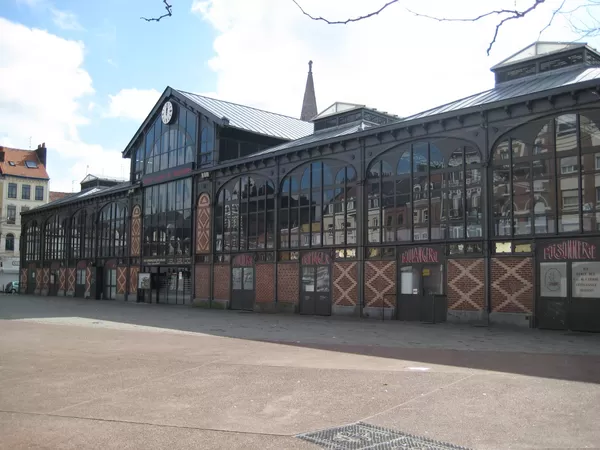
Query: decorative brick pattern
x,y
71,273
121,280
202,287
345,283
45,278
265,283
380,284
466,287
62,279
133,279
23,286
203,224
88,282
38,280
288,283
222,282
512,285
136,230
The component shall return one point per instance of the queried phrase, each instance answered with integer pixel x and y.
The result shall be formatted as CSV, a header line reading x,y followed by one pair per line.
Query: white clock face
x,y
167,112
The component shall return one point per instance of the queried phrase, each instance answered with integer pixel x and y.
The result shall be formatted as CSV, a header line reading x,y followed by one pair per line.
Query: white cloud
x,y
394,61
43,92
132,103
65,20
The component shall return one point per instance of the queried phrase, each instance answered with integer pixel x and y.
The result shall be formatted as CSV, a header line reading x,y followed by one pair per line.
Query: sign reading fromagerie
x,y
420,255
570,249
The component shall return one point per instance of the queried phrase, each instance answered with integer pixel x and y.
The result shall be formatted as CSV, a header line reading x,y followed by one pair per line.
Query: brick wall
x,y
23,286
71,275
203,224
38,280
380,283
133,279
265,283
202,280
345,283
222,282
62,279
466,285
512,285
121,280
288,282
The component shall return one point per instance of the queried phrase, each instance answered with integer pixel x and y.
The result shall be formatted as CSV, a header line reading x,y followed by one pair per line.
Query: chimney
x,y
1,154
41,153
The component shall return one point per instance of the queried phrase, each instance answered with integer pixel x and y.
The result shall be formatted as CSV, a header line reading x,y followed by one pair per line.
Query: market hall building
x,y
492,201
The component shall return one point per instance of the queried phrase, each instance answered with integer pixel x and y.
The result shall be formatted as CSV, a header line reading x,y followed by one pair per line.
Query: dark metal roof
x,y
517,88
253,120
319,136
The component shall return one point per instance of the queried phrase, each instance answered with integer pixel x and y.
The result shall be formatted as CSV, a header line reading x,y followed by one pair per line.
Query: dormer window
x,y
11,163
31,164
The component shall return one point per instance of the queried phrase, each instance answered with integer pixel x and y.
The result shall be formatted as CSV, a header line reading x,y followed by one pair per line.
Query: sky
x,y
82,76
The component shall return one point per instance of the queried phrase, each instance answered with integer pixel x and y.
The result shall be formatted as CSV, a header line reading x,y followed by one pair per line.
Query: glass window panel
x,y
248,278
404,164
566,132
323,279
568,223
308,279
520,149
590,134
236,278
420,157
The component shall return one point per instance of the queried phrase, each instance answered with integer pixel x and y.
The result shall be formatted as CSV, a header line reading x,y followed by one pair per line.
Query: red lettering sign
x,y
420,255
316,259
243,261
570,249
166,175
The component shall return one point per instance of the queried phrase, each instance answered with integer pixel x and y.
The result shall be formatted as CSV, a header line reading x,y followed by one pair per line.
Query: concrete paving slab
x,y
22,431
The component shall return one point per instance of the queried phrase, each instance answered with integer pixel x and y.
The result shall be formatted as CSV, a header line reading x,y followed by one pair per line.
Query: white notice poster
x,y
144,281
586,279
553,279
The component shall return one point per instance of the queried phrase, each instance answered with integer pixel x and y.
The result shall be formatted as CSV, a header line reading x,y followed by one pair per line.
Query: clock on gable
x,y
168,113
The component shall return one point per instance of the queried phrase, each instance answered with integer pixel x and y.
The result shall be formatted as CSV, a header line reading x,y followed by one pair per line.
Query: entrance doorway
x,y
110,283
31,281
315,295
80,282
168,285
418,284
242,283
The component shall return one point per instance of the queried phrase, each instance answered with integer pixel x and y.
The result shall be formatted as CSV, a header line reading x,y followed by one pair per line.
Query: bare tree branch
x,y
554,13
169,13
347,21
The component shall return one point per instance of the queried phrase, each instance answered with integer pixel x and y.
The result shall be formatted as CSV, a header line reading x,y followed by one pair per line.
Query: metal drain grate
x,y
362,436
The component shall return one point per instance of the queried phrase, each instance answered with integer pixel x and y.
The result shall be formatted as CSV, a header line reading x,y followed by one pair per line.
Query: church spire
x,y
309,105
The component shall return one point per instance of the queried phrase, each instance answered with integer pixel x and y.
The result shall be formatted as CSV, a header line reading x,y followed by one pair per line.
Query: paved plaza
x,y
79,374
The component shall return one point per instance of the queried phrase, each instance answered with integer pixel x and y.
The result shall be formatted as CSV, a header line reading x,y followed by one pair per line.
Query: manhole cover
x,y
362,436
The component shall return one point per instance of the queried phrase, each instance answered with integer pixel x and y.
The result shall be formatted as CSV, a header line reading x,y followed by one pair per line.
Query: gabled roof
x,y
252,119
336,108
15,164
518,88
537,49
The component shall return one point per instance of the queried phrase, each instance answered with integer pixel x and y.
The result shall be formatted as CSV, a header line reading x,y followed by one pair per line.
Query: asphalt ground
x,y
79,374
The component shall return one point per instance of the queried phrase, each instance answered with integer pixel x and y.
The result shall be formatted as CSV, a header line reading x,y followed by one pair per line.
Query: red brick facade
x,y
288,283
222,282
202,280
203,224
380,284
121,280
62,279
512,285
265,283
71,280
133,279
345,283
23,286
466,284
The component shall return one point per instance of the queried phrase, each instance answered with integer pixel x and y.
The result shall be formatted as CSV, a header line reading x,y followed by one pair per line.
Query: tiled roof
x,y
14,164
517,88
252,119
55,195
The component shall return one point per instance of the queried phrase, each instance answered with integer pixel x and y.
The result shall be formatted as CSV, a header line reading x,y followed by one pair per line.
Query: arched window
x,y
10,243
318,206
207,142
434,193
83,234
549,170
32,241
168,146
245,215
54,239
112,230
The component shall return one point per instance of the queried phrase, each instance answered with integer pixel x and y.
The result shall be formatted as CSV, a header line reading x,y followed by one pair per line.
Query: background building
x,y
23,186
491,200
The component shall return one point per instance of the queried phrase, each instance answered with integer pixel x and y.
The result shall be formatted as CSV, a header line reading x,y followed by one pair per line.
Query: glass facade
x,y
32,241
425,191
112,231
54,238
546,177
245,215
83,235
168,219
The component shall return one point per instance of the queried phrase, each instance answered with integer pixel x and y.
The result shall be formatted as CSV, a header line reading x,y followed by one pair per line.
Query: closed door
x,y
242,292
418,284
316,291
80,283
110,286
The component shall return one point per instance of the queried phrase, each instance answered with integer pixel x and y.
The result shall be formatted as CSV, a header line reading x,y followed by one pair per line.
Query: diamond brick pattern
x,y
265,283
203,224
512,285
45,278
88,282
288,283
133,279
136,230
71,280
222,282
466,288
345,284
62,279
202,287
121,280
380,283
23,286
38,280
